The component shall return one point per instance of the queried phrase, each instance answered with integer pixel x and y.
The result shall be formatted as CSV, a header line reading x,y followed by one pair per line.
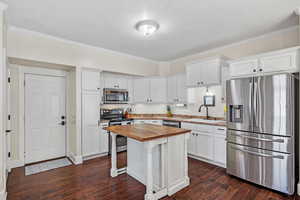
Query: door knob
x,y
62,123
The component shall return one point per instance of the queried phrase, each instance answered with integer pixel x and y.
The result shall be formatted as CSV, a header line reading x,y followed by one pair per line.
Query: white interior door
x,y
45,106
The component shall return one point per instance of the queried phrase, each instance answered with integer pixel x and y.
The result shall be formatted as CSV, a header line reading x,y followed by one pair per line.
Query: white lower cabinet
x,y
219,149
204,145
207,143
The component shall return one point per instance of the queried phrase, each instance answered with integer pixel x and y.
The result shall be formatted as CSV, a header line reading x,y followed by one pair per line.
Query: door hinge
x,y
8,117
8,79
9,154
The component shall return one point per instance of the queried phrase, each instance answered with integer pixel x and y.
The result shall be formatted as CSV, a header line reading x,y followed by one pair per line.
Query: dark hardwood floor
x,y
92,181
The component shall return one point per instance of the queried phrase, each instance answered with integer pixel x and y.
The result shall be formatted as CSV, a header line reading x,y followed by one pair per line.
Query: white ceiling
x,y
186,26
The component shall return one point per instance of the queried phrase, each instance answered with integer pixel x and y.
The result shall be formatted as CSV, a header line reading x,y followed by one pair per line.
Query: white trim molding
x,y
3,195
15,163
76,160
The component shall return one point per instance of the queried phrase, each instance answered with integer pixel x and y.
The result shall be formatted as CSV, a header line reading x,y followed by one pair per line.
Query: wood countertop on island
x,y
146,132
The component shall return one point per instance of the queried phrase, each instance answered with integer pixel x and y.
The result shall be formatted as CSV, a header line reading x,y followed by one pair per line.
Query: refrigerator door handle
x,y
259,154
260,139
255,103
250,104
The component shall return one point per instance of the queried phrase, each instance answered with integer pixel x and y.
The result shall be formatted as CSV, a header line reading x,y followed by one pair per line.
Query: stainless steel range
x,y
263,130
115,117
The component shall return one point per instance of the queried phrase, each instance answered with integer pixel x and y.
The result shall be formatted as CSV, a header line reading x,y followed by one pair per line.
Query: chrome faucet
x,y
200,108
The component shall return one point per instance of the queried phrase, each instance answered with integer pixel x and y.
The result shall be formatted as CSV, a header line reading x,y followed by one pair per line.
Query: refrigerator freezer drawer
x,y
270,169
262,141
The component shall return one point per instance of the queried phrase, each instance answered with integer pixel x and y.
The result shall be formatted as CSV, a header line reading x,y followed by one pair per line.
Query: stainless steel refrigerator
x,y
262,130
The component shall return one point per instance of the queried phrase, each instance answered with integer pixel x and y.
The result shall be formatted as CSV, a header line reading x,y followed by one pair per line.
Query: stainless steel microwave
x,y
115,96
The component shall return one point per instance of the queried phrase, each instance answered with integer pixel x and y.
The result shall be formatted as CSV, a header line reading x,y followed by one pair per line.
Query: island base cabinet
x,y
170,173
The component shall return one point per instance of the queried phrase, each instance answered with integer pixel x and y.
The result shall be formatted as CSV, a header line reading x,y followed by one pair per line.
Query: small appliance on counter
x,y
116,117
262,130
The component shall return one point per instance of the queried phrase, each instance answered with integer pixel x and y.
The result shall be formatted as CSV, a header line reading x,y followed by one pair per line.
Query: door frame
x,y
23,70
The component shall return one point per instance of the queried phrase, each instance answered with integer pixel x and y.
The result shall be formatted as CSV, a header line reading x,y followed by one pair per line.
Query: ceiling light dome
x,y
147,27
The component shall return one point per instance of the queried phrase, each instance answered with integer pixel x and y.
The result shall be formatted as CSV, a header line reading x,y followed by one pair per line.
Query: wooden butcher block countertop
x,y
146,132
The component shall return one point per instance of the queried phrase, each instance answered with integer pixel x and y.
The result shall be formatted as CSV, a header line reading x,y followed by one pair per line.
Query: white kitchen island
x,y
156,156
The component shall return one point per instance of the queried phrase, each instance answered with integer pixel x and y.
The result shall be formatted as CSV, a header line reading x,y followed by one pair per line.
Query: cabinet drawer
x,y
198,127
220,130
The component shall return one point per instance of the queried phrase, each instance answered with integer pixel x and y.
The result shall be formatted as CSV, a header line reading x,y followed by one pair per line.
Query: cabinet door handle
x,y
221,129
260,69
254,70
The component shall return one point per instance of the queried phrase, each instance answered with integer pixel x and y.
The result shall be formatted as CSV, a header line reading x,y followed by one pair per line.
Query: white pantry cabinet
x,y
150,90
286,60
90,80
207,143
93,143
177,91
204,72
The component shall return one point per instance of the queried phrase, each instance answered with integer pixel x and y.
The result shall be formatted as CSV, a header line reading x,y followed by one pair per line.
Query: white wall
x,y
269,42
35,46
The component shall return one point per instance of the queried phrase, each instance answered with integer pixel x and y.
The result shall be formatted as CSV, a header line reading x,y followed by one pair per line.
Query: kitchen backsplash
x,y
195,99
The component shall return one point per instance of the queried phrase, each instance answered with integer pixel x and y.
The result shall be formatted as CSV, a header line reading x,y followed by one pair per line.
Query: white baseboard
x,y
76,160
298,189
15,163
94,156
3,195
206,160
179,186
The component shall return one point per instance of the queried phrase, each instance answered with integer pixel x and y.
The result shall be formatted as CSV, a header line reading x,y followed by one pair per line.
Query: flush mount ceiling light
x,y
147,27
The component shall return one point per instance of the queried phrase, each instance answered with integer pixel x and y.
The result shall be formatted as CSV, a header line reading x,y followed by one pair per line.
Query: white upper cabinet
x,y
158,90
115,81
141,87
177,91
181,88
130,89
204,73
172,89
278,62
286,60
90,80
243,67
150,90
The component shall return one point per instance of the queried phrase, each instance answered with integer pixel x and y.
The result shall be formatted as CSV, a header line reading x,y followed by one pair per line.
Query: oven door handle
x,y
258,154
259,139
